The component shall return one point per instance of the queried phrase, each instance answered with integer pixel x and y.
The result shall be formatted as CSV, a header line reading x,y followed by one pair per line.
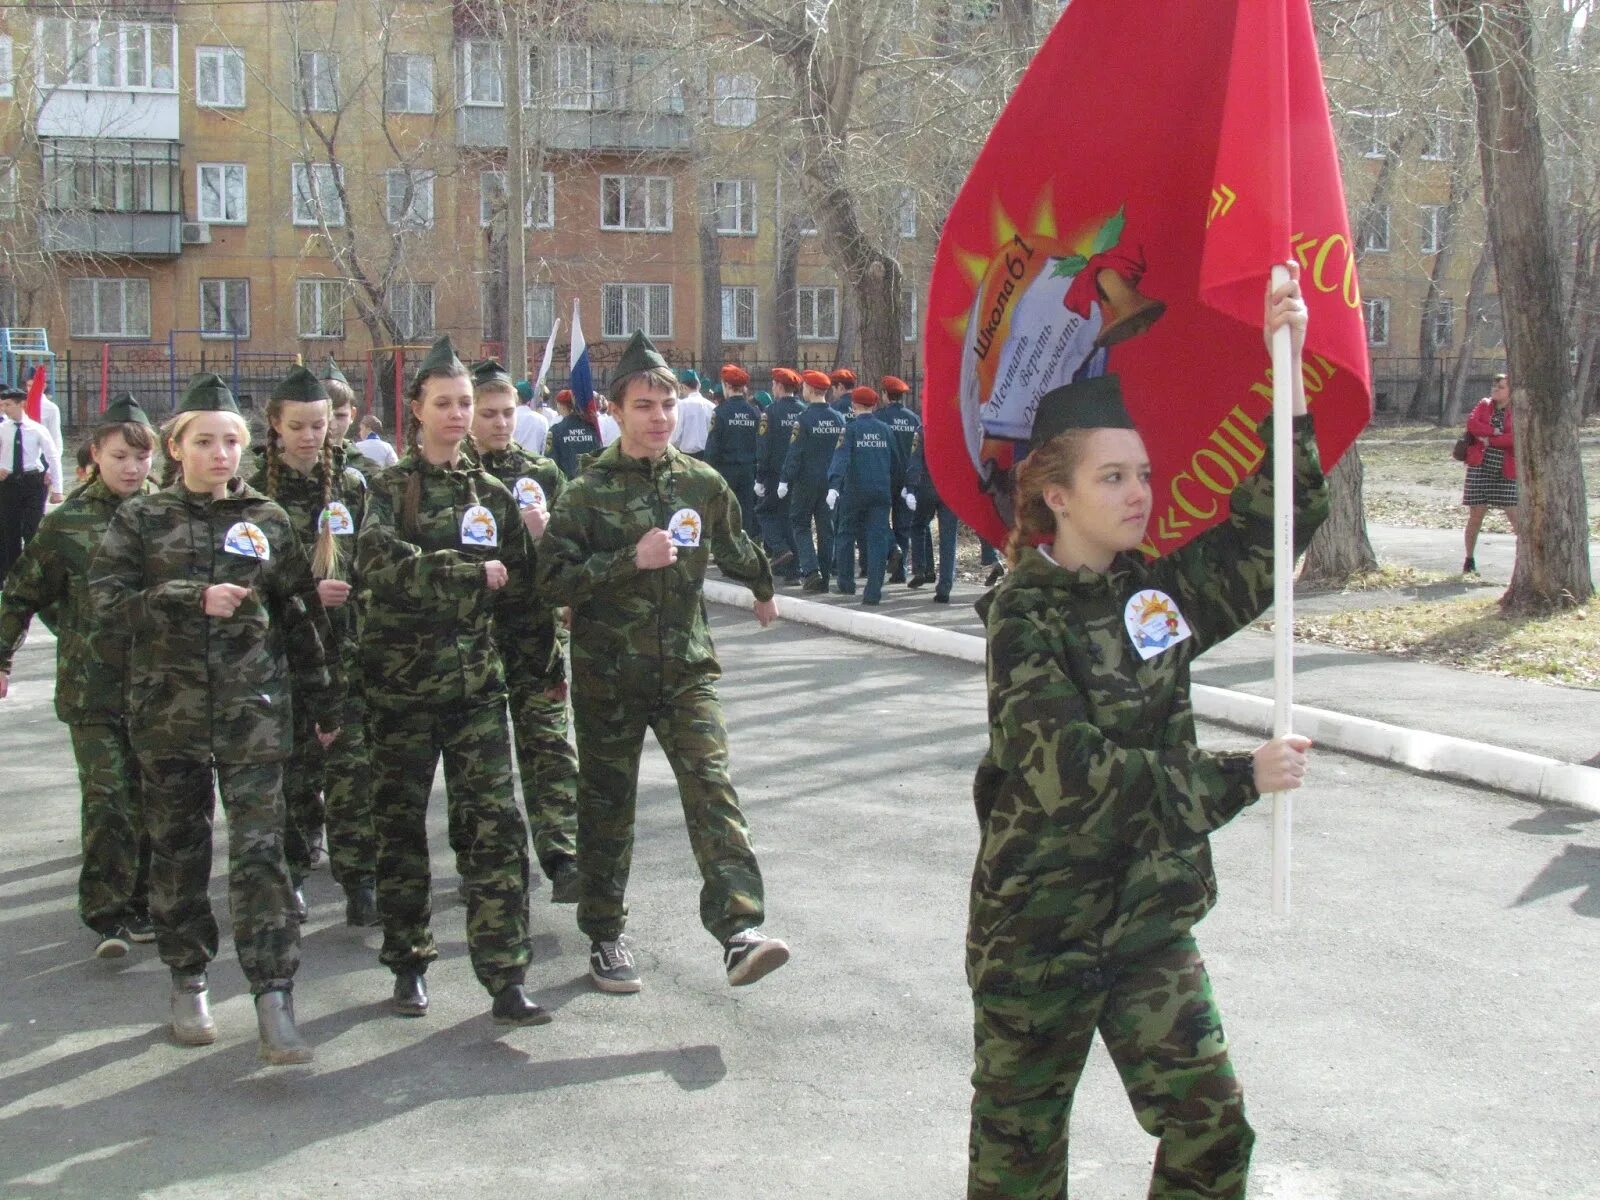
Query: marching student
x,y
30,472
803,481
217,596
572,439
866,475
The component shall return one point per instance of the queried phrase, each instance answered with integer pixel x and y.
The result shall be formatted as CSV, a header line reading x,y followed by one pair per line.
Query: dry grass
x,y
1387,578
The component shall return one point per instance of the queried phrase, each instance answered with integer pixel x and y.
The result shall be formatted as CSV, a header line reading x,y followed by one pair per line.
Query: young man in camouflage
x,y
627,548
51,579
535,672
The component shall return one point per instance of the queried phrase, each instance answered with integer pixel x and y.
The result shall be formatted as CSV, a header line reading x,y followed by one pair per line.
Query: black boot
x,y
512,1007
361,904
410,994
814,582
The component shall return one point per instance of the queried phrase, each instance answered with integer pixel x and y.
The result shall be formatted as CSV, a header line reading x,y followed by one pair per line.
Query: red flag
x,y
1122,218
33,405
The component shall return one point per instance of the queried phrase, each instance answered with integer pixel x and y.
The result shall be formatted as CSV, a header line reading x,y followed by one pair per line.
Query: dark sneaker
x,y
750,954
814,583
996,574
941,597
920,581
512,1007
611,967
114,943
1470,567
140,930
564,884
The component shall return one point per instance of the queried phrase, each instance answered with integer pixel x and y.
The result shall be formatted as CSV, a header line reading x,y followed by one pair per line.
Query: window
x,y
1433,228
1438,137
8,84
539,312
316,194
122,56
1442,317
224,307
482,73
408,83
109,308
8,188
319,305
908,315
630,306
1375,229
738,314
908,213
411,309
220,193
817,313
636,81
734,101
539,204
570,83
319,81
735,200
1376,315
640,203
218,77
105,175
1370,131
409,198
540,315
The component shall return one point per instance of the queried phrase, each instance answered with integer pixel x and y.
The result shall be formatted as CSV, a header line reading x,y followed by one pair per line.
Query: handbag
x,y
1459,450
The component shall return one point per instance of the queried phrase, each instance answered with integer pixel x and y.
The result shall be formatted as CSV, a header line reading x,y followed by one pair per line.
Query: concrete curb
x,y
1529,775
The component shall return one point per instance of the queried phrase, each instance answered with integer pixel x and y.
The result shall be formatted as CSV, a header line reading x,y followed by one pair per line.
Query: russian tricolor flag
x,y
580,380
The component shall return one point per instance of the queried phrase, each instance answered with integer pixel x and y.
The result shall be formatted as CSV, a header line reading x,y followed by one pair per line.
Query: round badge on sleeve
x,y
528,493
1154,623
336,517
478,527
247,541
684,528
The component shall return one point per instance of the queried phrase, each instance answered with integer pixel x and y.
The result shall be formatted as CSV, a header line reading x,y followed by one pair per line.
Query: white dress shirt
x,y
50,418
378,450
38,451
694,423
610,431
532,430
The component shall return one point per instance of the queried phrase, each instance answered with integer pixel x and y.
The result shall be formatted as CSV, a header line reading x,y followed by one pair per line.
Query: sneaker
x,y
941,597
919,580
611,967
996,574
1470,567
113,944
814,583
140,929
750,954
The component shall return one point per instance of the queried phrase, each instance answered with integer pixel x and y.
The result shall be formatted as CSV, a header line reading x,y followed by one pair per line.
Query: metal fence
x,y
1418,390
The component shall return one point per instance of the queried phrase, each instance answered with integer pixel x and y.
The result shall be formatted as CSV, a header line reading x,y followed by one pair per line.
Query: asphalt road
x,y
1423,1026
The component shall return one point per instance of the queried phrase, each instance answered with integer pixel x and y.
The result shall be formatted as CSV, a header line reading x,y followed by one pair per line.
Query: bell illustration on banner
x,y
1124,311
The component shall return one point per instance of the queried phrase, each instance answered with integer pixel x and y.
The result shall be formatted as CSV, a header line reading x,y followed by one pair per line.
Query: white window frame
x,y
806,302
493,79
305,181
1374,130
406,293
240,289
220,58
225,169
96,290
1375,316
323,293
542,295
419,92
1432,228
909,330
571,83
657,196
734,101
1375,232
738,198
493,183
1441,146
418,211
8,75
908,213
324,74
98,54
8,188
632,299
739,302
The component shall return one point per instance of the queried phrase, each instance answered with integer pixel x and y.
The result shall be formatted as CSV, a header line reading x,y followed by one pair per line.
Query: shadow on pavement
x,y
1576,868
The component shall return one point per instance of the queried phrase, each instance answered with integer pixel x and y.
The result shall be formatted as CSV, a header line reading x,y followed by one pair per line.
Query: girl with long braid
x,y
326,501
446,569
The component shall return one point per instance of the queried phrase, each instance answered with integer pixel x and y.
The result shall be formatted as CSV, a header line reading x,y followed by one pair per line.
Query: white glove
x,y
783,490
910,499
833,497
761,490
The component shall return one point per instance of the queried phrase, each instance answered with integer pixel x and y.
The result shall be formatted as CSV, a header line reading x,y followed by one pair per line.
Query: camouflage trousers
x,y
179,806
114,883
687,720
486,832
332,786
549,768
1160,1022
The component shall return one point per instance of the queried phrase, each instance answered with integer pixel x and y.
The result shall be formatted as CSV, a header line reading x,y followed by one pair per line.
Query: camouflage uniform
x,y
52,579
332,784
545,757
1095,803
436,686
213,694
642,658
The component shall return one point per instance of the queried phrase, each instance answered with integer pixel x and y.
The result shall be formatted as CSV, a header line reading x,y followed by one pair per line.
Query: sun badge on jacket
x,y
684,528
528,493
478,527
337,518
1154,623
246,540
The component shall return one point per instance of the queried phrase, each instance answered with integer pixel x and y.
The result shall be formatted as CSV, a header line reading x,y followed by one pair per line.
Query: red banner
x,y
1122,218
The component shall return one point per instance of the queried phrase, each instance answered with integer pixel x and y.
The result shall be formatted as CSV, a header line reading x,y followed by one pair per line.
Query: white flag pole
x,y
1283,368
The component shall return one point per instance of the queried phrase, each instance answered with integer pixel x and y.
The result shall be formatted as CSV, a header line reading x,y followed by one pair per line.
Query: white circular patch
x,y
684,528
528,493
246,540
478,527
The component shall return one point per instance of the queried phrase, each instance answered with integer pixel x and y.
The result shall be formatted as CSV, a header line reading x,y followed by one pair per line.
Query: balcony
x,y
141,235
111,197
564,130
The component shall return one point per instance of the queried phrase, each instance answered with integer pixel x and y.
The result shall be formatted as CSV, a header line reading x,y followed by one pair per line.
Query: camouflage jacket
x,y
347,458
1094,799
51,579
536,663
630,624
430,624
198,686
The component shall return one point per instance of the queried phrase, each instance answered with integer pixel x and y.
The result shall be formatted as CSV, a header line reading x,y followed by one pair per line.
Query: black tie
x,y
16,451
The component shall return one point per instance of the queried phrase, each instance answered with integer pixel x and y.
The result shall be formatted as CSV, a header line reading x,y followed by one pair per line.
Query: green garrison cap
x,y
300,386
207,393
330,371
689,379
1087,404
640,355
524,390
762,399
489,373
442,357
124,410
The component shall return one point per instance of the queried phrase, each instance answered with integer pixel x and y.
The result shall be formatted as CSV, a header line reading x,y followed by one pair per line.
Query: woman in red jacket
x,y
1491,465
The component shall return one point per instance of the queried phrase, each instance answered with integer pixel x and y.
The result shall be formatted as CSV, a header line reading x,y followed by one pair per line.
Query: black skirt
x,y
1487,483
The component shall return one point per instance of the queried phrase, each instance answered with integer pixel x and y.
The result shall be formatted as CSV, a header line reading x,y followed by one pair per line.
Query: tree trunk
x,y
1341,549
786,340
1552,570
710,285
1456,409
